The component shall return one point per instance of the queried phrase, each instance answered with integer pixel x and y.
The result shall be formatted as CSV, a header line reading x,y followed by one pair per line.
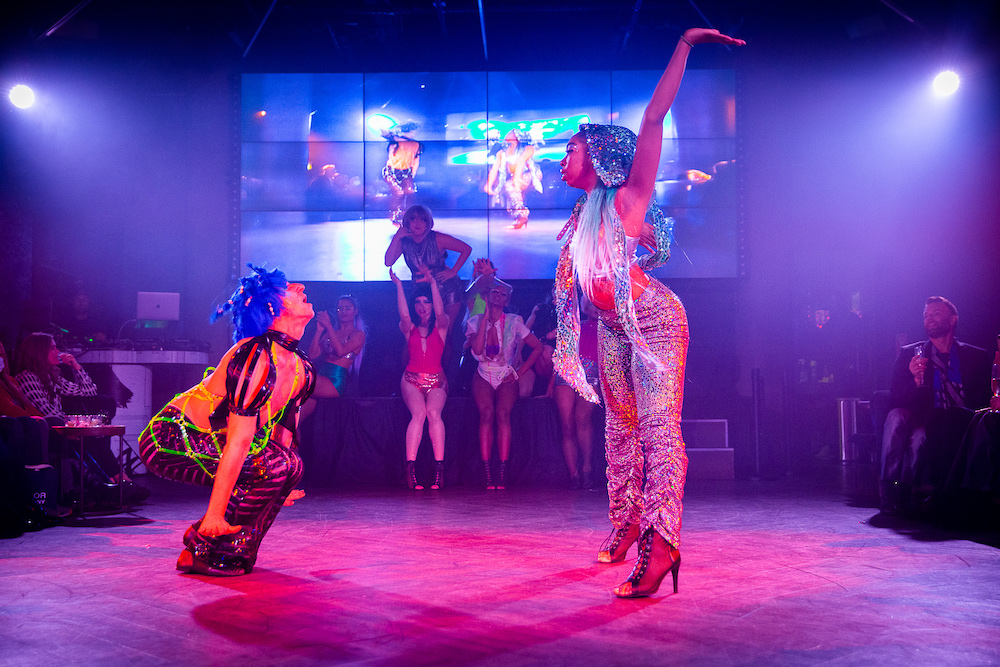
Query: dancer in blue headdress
x,y
234,430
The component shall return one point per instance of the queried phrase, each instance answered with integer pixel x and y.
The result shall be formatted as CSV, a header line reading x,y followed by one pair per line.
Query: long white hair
x,y
593,245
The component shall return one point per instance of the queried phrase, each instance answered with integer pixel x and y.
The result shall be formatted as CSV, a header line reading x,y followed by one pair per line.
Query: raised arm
x,y
634,196
405,322
483,282
441,321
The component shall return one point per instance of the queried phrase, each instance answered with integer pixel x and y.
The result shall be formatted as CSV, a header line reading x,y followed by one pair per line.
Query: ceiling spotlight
x,y
21,96
945,84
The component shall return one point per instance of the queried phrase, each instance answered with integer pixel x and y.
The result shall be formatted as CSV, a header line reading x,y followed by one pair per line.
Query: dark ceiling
x,y
388,35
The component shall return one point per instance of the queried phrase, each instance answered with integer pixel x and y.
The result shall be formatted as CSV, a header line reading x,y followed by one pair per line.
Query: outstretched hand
x,y
393,277
711,36
482,266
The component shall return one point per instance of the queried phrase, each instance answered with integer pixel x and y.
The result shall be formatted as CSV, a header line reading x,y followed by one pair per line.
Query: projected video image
x,y
311,176
705,106
445,178
330,162
438,105
298,107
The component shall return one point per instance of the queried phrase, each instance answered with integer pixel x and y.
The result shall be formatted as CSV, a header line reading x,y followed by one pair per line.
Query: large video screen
x,y
330,160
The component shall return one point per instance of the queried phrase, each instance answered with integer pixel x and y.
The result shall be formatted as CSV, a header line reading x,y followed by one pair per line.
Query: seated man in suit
x,y
937,384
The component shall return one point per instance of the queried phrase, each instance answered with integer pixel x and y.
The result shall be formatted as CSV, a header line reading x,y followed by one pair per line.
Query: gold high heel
x,y
622,540
651,567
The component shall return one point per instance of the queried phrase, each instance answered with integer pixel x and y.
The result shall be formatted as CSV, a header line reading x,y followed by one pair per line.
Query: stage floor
x,y
774,572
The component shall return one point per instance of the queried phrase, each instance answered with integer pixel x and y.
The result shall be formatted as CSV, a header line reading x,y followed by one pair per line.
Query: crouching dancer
x,y
233,431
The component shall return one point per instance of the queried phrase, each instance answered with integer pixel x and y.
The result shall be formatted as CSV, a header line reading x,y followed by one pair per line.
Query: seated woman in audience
x,y
38,360
424,387
337,349
39,377
494,337
233,430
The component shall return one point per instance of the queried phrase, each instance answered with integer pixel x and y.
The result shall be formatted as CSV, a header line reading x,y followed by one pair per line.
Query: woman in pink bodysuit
x,y
424,387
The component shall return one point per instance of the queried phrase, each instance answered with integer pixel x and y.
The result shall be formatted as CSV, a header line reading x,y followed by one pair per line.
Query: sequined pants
x,y
645,452
400,182
173,448
515,200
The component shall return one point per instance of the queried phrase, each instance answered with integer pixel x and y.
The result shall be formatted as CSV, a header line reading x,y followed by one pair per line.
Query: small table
x,y
78,433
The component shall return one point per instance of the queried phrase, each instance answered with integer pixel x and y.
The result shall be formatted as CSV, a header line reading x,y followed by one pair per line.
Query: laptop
x,y
158,306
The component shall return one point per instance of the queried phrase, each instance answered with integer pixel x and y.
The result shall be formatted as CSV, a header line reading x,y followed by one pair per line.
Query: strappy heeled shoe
x,y
411,476
502,481
656,558
490,486
438,475
621,540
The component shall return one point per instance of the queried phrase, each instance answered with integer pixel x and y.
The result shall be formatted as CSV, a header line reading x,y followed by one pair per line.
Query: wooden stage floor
x,y
774,572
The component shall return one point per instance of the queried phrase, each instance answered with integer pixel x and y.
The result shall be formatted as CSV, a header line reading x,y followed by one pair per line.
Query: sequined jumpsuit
x,y
647,465
172,446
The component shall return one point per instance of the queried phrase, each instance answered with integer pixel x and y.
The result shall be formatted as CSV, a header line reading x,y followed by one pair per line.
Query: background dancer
x,y
493,338
422,247
337,348
233,430
423,387
643,334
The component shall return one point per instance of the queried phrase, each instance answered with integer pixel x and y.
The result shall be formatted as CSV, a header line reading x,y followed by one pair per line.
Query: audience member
x,y
936,386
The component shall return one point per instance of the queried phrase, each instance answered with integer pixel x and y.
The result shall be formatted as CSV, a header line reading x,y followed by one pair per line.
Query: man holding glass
x,y
936,386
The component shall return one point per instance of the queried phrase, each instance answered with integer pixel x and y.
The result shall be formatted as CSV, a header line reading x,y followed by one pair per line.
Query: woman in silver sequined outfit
x,y
424,248
643,333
